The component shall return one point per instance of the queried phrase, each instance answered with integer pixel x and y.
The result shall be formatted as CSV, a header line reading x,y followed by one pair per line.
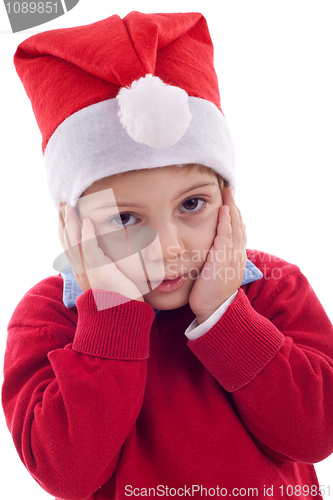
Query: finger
x,y
63,234
70,236
240,216
61,214
73,234
63,241
238,228
72,225
93,254
243,227
74,256
61,225
238,232
224,238
227,197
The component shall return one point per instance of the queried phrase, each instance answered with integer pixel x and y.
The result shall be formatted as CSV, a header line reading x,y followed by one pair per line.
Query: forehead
x,y
156,176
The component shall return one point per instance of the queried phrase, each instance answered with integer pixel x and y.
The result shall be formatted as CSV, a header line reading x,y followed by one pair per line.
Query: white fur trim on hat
x,y
92,144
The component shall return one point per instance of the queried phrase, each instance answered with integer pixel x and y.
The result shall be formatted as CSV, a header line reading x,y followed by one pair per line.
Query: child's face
x,y
181,204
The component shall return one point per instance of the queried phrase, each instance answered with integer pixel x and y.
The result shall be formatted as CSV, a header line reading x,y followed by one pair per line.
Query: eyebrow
x,y
139,205
195,187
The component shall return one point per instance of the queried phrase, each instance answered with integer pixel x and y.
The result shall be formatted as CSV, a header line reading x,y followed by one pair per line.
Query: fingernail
x,y
85,222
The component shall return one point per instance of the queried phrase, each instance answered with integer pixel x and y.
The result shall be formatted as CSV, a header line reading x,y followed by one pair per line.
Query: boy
x,y
217,381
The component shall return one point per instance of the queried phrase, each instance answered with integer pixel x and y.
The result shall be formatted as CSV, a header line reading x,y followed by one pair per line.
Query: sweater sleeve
x,y
72,393
273,351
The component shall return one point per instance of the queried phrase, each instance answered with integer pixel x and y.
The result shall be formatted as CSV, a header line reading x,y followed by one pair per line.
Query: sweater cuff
x,y
239,345
121,330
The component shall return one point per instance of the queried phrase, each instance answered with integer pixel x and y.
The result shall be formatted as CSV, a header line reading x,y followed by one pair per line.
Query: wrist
x,y
203,316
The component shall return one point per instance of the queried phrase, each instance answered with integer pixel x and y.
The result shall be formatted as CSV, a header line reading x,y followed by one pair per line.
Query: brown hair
x,y
202,168
187,166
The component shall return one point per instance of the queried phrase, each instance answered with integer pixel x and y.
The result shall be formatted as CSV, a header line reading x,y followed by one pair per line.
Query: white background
x,y
274,63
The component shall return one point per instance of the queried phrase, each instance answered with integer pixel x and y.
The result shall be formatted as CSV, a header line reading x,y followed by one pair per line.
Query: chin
x,y
167,301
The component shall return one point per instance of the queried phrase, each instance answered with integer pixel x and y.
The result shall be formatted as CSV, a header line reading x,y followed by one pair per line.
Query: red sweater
x,y
117,403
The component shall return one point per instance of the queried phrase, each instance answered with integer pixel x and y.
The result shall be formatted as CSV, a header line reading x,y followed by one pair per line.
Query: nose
x,y
167,246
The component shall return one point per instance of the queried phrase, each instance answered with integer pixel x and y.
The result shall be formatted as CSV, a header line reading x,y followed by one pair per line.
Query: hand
x,y
223,271
91,267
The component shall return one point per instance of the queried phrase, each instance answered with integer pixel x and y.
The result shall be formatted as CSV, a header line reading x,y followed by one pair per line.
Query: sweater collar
x,y
72,291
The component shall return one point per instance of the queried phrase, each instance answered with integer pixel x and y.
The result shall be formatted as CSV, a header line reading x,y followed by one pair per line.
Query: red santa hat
x,y
125,94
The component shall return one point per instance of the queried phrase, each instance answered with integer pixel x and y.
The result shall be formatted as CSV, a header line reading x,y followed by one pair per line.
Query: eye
x,y
193,205
121,220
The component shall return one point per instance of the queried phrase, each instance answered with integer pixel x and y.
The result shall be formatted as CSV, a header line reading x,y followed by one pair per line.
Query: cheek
x,y
203,230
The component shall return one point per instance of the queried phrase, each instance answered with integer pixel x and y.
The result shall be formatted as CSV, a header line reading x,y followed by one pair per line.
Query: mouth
x,y
169,284
172,278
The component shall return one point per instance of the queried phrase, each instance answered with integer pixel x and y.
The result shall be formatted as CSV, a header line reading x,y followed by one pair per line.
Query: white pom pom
x,y
154,113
